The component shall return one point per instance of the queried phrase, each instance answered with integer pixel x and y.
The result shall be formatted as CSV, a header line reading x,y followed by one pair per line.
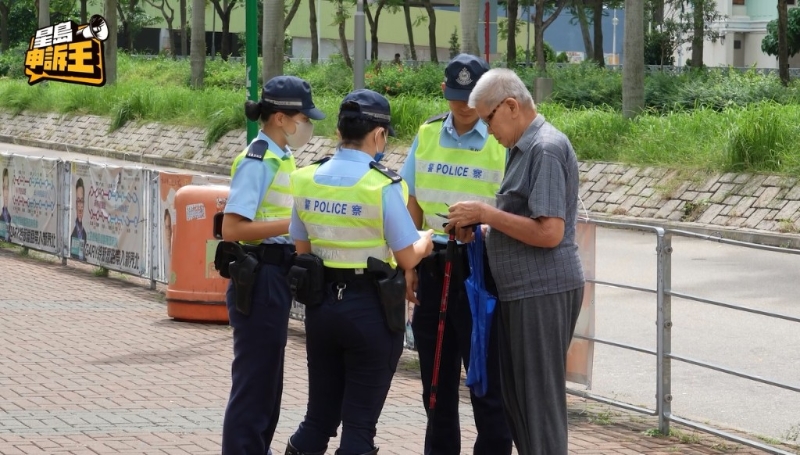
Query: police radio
x,y
97,28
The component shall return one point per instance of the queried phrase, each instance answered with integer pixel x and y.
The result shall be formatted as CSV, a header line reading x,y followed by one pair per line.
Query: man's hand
x,y
463,214
411,286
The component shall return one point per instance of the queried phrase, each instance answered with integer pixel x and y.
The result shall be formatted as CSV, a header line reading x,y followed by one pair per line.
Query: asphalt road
x,y
754,344
757,345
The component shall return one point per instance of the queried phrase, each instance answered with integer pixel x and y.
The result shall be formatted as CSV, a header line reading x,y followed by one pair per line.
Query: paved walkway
x,y
93,365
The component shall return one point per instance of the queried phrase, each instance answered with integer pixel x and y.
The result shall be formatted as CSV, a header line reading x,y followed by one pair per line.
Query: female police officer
x,y
347,210
257,215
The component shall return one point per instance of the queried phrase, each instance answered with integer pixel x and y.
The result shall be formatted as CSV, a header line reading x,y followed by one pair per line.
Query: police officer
x,y
349,209
453,158
257,215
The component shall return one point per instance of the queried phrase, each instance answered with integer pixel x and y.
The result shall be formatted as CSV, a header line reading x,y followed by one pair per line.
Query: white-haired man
x,y
533,258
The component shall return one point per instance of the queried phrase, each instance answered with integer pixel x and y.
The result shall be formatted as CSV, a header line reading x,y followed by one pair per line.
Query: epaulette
x,y
436,118
321,161
393,176
257,150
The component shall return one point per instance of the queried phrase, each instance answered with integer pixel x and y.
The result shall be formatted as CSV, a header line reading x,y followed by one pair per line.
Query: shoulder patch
x,y
321,161
392,175
257,150
437,118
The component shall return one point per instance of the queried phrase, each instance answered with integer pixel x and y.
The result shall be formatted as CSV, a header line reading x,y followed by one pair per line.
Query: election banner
x,y
29,215
168,184
580,356
108,214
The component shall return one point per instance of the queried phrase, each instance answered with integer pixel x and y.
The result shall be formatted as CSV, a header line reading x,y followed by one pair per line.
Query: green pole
x,y
251,58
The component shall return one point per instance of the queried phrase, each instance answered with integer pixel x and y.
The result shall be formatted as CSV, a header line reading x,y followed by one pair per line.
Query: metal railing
x,y
663,352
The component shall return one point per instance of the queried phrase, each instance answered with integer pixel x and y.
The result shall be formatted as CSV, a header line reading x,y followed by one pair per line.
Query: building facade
x,y
742,29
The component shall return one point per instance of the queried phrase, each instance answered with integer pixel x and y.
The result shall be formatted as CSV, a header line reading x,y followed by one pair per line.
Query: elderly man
x,y
533,257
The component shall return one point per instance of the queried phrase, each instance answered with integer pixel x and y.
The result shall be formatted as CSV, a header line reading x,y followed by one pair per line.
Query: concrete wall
x,y
759,205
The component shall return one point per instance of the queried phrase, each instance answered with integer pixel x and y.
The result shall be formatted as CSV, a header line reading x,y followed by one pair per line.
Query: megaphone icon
x,y
97,28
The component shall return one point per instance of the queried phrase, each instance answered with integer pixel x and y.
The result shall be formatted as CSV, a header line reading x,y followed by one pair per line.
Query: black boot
x,y
291,450
338,452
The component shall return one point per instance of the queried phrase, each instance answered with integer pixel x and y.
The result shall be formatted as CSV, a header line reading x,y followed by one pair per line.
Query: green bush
x,y
12,62
767,143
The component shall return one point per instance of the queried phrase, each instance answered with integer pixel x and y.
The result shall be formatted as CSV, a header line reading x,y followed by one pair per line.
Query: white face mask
x,y
302,134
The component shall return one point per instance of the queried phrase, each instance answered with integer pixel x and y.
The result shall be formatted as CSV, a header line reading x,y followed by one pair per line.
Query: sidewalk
x,y
93,365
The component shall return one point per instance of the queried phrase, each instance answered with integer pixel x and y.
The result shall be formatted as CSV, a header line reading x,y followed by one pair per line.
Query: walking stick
x,y
437,360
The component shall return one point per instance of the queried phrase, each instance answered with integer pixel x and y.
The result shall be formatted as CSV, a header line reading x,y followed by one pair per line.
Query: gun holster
x,y
392,290
233,262
307,280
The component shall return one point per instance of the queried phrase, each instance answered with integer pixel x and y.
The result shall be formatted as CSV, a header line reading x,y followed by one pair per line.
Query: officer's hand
x,y
426,241
411,286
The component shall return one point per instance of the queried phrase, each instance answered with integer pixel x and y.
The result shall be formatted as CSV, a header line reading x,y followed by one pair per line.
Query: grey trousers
x,y
534,336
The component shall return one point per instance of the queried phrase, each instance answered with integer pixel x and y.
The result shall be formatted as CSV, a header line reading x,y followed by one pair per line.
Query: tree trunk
x,y
272,37
225,48
340,13
374,38
5,41
129,23
432,29
470,17
698,35
110,45
409,29
633,63
511,42
372,32
597,18
173,41
580,10
783,42
184,34
44,13
84,13
540,24
198,50
290,15
538,37
312,24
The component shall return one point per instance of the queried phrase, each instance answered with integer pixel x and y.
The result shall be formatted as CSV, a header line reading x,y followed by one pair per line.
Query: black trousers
x,y
352,357
259,341
444,438
535,334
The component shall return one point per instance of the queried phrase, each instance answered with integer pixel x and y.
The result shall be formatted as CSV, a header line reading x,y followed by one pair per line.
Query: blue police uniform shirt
x,y
250,182
346,168
472,140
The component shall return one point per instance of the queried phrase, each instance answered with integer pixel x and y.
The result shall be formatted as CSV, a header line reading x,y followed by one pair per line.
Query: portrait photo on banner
x,y
5,198
168,185
28,215
108,217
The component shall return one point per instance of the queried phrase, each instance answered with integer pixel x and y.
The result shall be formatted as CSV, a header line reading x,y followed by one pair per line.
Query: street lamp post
x,y
319,33
359,46
614,22
528,48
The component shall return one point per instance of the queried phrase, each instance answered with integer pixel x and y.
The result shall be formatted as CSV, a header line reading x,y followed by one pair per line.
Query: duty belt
x,y
272,254
333,275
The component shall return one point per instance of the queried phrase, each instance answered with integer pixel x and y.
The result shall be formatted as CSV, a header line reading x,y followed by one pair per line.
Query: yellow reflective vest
x,y
445,176
344,224
276,204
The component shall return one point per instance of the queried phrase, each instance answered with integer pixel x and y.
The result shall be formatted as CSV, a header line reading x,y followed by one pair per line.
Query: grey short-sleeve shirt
x,y
541,180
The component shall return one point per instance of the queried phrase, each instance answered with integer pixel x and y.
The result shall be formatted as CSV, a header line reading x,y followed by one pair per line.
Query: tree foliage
x,y
770,43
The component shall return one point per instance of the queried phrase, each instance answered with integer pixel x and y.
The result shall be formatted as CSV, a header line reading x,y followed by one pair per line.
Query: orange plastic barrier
x,y
196,291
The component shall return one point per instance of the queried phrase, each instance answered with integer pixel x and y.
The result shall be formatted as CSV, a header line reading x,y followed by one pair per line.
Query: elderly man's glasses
x,y
488,119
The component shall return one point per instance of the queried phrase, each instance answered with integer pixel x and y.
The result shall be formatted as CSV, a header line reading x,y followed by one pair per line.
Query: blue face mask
x,y
379,154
